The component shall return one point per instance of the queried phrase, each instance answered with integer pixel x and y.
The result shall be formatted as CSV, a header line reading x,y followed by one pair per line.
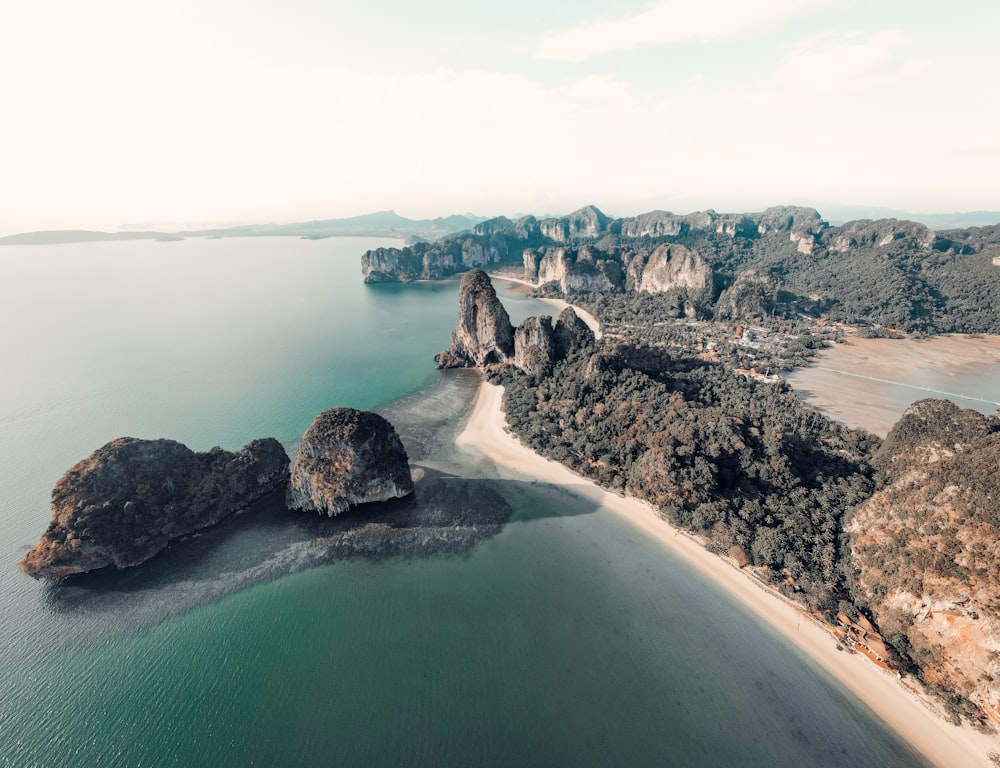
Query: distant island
x,y
379,224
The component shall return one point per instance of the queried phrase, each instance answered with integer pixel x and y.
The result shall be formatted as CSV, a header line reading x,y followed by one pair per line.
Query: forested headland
x,y
679,404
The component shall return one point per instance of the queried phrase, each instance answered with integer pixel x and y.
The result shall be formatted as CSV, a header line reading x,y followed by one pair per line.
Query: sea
x,y
564,638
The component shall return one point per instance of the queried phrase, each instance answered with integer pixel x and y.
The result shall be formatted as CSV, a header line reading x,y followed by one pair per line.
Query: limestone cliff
x,y
925,548
483,334
888,273
348,457
586,223
535,346
752,294
578,269
130,498
884,233
571,334
673,266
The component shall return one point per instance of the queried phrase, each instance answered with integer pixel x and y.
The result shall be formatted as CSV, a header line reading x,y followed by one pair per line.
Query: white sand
x,y
941,742
559,304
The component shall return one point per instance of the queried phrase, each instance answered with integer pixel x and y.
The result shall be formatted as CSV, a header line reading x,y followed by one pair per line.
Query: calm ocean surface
x,y
568,639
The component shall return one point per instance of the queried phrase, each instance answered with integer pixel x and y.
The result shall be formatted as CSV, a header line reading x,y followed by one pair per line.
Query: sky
x,y
165,114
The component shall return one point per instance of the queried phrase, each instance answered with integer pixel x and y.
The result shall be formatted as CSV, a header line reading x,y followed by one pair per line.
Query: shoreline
x,y
559,304
942,743
868,383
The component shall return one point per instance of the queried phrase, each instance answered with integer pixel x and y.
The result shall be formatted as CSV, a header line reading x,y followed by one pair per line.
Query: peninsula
x,y
772,486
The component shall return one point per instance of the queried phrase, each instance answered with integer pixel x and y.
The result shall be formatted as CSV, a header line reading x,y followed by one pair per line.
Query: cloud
x,y
850,63
828,65
669,21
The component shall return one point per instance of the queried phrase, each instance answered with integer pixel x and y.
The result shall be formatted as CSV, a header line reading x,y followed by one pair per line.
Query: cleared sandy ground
x,y
942,743
835,387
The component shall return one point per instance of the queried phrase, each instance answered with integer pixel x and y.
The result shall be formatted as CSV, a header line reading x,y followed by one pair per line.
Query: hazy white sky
x,y
125,113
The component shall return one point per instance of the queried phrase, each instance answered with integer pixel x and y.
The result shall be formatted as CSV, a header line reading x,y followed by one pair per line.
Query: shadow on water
x,y
456,505
447,515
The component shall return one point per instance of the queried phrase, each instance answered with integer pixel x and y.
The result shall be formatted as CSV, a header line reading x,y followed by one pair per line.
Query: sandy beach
x,y
844,381
559,304
942,743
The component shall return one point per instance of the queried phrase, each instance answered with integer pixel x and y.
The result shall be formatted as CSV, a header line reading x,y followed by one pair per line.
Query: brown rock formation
x,y
579,269
483,335
535,347
673,266
129,499
571,333
926,547
348,457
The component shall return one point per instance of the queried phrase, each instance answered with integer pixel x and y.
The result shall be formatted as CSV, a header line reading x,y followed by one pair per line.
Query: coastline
x,y
868,383
559,304
942,743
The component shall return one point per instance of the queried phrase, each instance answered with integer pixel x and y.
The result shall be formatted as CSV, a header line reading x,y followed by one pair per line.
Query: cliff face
x,y
586,223
130,498
673,266
571,334
750,295
576,270
535,346
925,547
483,335
348,457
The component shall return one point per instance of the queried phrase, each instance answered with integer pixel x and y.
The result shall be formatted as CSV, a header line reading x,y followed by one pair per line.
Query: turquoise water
x,y
567,639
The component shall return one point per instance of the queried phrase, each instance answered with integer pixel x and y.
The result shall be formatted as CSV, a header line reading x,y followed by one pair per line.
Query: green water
x,y
568,639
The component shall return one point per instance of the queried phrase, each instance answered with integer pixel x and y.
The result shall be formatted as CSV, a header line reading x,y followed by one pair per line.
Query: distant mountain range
x,y
379,224
391,224
841,214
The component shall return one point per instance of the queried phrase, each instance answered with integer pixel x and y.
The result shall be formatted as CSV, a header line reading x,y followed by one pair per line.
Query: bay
x,y
566,639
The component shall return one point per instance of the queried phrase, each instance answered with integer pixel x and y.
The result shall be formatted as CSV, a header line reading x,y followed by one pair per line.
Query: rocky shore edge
x,y
132,498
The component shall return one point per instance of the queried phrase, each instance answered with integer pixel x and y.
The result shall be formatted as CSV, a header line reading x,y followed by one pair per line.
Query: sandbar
x,y
941,742
868,383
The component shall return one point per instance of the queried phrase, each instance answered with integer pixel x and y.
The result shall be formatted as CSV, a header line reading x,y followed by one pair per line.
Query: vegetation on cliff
x,y
742,462
348,457
924,549
784,261
131,498
666,410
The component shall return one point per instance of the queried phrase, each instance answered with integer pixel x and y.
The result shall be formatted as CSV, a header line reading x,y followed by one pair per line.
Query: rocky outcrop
x,y
881,233
530,258
571,334
483,335
499,225
752,294
925,548
348,457
664,224
576,270
535,346
793,218
673,266
130,498
392,265
586,223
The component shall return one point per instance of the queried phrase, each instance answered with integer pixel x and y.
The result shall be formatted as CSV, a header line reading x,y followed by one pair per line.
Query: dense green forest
x,y
783,262
742,462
